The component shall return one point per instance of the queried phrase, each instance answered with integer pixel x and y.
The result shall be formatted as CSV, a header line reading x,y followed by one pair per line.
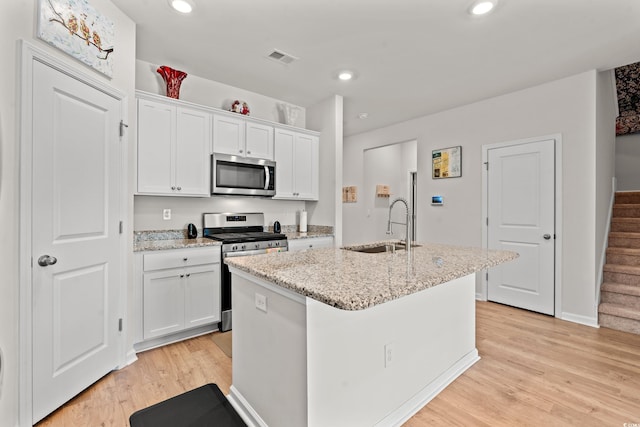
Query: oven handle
x,y
267,177
244,253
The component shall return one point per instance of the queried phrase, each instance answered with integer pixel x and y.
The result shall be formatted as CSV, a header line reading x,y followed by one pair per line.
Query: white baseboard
x,y
578,318
480,297
244,409
395,418
424,396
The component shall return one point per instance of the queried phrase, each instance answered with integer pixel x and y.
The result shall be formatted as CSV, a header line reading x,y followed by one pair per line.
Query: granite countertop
x,y
162,244
159,240
351,280
295,235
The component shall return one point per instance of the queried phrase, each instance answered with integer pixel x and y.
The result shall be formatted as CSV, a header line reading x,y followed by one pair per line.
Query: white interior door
x,y
521,215
76,165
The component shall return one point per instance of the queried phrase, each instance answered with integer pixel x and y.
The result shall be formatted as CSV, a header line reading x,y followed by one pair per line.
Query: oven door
x,y
242,176
225,318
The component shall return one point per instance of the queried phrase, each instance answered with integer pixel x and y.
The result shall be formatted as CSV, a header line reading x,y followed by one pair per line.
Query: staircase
x,y
620,293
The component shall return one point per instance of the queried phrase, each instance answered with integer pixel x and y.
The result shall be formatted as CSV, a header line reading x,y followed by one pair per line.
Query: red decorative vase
x,y
173,79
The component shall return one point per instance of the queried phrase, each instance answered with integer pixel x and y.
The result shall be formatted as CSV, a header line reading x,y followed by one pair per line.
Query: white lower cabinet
x,y
310,243
179,294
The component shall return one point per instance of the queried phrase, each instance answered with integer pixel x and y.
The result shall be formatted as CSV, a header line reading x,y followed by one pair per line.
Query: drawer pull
x,y
184,259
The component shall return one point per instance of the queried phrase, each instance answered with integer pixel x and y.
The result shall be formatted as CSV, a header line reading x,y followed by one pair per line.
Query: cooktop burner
x,y
240,237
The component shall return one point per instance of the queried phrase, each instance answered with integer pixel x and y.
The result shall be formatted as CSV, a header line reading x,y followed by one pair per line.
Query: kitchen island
x,y
336,337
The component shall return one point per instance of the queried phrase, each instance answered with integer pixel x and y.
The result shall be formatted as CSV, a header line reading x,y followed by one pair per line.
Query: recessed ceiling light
x,y
182,6
482,7
345,75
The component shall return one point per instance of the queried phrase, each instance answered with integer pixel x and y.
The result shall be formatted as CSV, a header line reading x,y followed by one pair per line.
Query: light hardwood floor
x,y
535,371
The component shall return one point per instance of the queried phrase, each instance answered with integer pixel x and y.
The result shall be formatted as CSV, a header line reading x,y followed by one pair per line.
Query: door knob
x,y
547,236
46,260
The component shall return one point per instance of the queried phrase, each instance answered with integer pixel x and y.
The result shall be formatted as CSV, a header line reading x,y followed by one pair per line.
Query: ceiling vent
x,y
281,57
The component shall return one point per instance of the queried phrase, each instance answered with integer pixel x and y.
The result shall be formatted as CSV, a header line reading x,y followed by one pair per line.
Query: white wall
x,y
326,117
17,21
606,112
627,162
388,165
213,94
185,210
565,106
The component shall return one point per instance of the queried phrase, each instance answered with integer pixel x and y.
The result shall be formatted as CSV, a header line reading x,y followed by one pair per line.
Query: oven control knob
x,y
257,245
243,247
269,244
234,248
277,243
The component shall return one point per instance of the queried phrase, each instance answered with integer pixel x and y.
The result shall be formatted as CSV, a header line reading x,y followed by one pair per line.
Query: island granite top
x,y
350,280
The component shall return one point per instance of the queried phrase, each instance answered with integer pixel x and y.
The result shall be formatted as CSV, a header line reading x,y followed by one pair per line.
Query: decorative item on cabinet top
x,y
173,79
289,113
240,107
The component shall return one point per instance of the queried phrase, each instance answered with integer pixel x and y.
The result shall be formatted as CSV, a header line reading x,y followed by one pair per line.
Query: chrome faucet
x,y
407,223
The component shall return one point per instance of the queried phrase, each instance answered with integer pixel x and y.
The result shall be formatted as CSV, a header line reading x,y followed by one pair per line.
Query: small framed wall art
x,y
79,30
446,162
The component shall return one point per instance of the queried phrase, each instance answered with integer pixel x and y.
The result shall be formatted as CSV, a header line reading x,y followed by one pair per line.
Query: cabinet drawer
x,y
180,258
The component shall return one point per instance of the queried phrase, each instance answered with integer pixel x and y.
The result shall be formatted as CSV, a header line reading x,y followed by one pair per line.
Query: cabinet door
x,y
193,163
259,142
284,141
163,303
228,135
305,161
156,133
310,243
202,295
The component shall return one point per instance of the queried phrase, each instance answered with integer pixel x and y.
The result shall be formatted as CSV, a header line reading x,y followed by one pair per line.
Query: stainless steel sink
x,y
388,247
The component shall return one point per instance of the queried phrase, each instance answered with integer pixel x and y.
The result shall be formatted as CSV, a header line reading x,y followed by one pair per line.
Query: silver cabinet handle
x,y
173,188
240,151
46,260
248,152
547,236
179,188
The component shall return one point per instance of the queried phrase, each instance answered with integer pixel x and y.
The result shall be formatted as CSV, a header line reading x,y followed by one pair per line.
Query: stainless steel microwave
x,y
236,175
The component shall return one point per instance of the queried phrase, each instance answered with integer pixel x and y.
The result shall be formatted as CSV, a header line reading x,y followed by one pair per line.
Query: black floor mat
x,y
204,406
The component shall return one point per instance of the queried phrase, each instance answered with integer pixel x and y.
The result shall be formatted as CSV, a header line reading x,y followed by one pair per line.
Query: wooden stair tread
x,y
620,288
619,311
623,251
619,268
625,234
625,219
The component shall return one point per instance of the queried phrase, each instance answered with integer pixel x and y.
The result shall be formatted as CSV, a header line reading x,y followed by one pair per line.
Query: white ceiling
x,y
412,57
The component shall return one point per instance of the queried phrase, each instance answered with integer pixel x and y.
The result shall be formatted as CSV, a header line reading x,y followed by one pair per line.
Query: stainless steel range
x,y
241,234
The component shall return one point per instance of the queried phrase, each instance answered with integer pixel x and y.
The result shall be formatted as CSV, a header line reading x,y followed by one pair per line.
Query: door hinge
x,y
486,275
486,165
120,325
121,227
122,126
487,221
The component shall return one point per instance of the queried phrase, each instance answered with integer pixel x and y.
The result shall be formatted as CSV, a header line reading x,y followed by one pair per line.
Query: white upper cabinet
x,y
241,137
173,149
228,135
297,165
259,141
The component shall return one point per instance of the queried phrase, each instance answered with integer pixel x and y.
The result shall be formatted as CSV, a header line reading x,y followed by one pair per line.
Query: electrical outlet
x,y
261,302
389,355
166,214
